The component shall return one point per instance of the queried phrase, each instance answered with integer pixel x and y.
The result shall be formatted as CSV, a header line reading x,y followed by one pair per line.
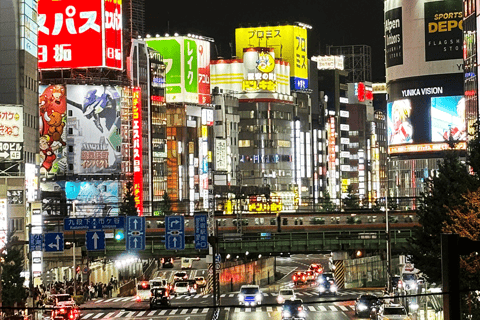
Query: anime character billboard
x,y
448,118
94,125
53,118
400,129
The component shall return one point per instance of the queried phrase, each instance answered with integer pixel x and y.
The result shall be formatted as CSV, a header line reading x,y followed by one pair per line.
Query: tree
x,y
166,204
128,206
328,205
13,291
443,191
352,201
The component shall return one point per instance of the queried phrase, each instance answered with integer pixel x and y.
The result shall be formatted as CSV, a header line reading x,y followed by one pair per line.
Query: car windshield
x,y
180,274
394,311
181,284
156,283
143,286
63,298
160,292
408,277
249,290
328,276
199,278
286,292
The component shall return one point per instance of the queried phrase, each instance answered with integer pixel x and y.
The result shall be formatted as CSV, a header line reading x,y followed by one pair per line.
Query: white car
x,y
392,312
181,288
63,300
285,294
250,295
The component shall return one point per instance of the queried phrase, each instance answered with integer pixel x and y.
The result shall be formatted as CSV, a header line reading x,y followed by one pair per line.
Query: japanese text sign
x,y
137,148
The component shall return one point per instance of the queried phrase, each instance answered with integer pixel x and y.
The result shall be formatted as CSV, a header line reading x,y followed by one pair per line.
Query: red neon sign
x,y
137,148
80,34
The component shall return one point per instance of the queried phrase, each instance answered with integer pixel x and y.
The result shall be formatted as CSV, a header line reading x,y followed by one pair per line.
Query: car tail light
x,y
167,294
294,277
71,315
300,308
303,278
62,310
138,298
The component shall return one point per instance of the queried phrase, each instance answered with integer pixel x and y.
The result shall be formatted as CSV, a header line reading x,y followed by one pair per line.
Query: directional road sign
x,y
36,242
135,239
94,223
174,233
201,231
95,240
54,242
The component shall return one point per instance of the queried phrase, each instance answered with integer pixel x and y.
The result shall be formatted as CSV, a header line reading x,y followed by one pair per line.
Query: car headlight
x,y
321,288
240,297
258,297
320,280
280,299
286,314
302,314
414,306
333,288
362,307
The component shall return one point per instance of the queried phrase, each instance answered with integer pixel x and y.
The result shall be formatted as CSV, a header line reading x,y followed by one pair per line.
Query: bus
x,y
143,291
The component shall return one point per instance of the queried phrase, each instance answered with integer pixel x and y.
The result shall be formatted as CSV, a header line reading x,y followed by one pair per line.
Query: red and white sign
x,y
137,148
80,34
203,55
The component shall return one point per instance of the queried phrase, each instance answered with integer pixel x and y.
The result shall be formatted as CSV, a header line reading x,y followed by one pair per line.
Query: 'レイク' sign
x,y
137,148
80,34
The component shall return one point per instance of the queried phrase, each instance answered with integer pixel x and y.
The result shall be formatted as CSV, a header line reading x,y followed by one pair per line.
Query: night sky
x,y
334,22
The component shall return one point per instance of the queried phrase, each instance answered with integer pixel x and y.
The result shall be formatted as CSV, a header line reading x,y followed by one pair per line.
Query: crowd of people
x,y
87,290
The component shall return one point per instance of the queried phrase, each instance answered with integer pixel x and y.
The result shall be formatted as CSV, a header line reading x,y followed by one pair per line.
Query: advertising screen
x,y
85,34
94,126
53,135
426,110
187,64
137,148
93,197
289,43
393,37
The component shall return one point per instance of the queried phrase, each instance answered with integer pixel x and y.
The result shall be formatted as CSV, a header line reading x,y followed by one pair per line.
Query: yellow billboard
x,y
289,43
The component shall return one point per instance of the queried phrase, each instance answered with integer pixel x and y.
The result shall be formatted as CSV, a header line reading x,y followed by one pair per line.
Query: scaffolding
x,y
357,61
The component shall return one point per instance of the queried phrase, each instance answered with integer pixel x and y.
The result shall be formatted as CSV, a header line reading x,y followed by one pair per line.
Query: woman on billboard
x,y
400,129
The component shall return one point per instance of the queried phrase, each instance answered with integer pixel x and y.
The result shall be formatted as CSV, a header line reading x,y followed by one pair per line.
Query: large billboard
x,y
94,126
80,34
53,136
187,62
423,37
423,111
137,148
288,42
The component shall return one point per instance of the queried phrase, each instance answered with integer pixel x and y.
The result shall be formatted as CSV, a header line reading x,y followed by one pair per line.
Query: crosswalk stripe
x,y
332,308
130,314
151,313
195,310
248,309
120,314
322,308
140,313
88,315
237,310
174,311
98,301
197,296
118,299
269,309
343,308
222,295
109,315
259,309
312,308
205,310
231,295
184,311
163,312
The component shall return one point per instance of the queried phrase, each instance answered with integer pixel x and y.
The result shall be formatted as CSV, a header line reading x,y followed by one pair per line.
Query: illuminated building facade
x,y
470,47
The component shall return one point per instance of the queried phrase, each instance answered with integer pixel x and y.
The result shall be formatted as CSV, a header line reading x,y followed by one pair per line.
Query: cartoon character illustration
x,y
52,99
47,152
103,106
400,126
55,126
457,131
265,62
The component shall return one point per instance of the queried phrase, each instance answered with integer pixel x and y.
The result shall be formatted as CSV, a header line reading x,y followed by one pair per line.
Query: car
x,y
325,276
299,277
62,299
285,294
186,263
160,297
316,267
311,275
396,282
367,305
201,282
181,287
192,284
65,312
409,281
250,295
180,276
167,262
293,309
327,287
392,312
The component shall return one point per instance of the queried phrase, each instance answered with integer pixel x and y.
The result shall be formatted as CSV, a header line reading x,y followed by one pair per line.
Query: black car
x,y
167,262
367,305
328,286
293,309
160,298
396,281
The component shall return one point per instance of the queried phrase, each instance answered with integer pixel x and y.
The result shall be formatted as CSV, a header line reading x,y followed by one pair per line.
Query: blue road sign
x,y
94,223
174,233
54,242
201,232
36,242
95,240
135,239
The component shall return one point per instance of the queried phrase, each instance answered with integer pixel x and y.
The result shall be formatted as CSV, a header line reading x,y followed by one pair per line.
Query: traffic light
x,y
119,235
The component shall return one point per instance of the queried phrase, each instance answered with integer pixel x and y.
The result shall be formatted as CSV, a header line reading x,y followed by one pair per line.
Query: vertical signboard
x,y
3,222
94,123
289,43
53,135
221,163
85,34
443,30
393,37
11,133
137,148
29,28
187,63
201,232
331,156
